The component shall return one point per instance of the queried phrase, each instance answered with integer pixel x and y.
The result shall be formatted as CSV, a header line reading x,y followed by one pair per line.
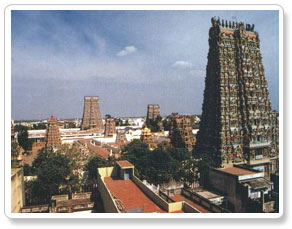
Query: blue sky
x,y
127,58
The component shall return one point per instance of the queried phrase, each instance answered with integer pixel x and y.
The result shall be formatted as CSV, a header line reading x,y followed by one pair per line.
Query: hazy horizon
x,y
127,58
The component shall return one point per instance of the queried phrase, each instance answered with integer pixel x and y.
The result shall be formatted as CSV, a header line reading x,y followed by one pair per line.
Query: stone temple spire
x,y
237,123
53,138
91,114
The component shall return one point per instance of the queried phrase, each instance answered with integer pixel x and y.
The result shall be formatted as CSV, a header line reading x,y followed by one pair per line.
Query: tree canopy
x,y
162,164
94,163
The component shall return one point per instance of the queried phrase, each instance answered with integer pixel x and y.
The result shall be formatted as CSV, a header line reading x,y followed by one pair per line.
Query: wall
x,y
17,190
188,208
227,185
107,171
155,198
108,201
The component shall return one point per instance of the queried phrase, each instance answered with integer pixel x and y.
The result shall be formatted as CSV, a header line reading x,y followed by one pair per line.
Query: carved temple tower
x,y
53,138
110,126
91,114
180,132
237,125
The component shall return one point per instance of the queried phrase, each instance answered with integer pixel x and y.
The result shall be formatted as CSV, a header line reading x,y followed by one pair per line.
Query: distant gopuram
x,y
180,132
53,138
91,114
237,124
153,111
110,126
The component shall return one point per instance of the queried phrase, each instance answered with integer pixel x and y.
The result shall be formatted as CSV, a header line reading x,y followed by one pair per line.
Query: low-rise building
x,y
122,192
246,190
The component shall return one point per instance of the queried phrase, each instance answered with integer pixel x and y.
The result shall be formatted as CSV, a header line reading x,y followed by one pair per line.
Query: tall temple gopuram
x,y
237,124
53,137
91,114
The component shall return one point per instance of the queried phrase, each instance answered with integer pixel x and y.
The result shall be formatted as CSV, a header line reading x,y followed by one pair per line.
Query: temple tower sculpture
x,y
91,114
180,132
53,138
110,126
237,123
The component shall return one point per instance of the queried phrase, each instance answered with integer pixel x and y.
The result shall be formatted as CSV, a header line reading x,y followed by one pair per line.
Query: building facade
x,y
237,122
91,114
180,132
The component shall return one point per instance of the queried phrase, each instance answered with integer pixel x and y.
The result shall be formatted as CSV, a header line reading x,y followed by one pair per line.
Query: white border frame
x,y
7,116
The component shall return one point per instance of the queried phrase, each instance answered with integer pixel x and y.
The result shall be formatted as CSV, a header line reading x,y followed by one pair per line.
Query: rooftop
x,y
178,198
125,164
237,171
130,195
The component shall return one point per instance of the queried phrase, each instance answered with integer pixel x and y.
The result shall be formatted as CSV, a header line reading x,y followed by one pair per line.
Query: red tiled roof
x,y
178,198
99,150
237,171
130,195
124,164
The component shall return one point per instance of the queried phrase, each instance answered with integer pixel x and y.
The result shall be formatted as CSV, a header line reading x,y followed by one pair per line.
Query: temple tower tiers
x,y
153,111
180,132
110,126
237,123
91,114
53,135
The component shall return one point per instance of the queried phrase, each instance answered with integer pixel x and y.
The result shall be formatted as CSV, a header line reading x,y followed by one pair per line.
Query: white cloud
x,y
127,50
182,64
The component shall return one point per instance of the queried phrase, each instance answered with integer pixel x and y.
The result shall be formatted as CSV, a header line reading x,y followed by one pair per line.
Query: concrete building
x,y
246,189
80,202
17,190
122,192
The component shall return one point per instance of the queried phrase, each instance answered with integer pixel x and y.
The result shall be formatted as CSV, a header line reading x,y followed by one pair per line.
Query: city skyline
x,y
127,58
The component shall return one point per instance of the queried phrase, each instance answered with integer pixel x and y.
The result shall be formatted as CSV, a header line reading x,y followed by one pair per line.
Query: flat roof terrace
x,y
178,198
131,195
237,171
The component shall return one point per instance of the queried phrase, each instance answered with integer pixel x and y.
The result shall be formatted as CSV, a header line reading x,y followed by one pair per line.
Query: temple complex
x,y
53,138
110,126
91,114
180,132
237,124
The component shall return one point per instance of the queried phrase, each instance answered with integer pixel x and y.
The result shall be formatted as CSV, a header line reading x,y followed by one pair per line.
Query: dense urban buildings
x,y
91,114
237,122
53,135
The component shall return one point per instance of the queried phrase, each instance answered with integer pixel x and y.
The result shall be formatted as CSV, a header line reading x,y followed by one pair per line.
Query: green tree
x,y
53,172
28,170
94,163
23,140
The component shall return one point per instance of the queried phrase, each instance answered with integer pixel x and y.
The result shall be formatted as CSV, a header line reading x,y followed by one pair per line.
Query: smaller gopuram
x,y
110,126
146,137
180,132
53,138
